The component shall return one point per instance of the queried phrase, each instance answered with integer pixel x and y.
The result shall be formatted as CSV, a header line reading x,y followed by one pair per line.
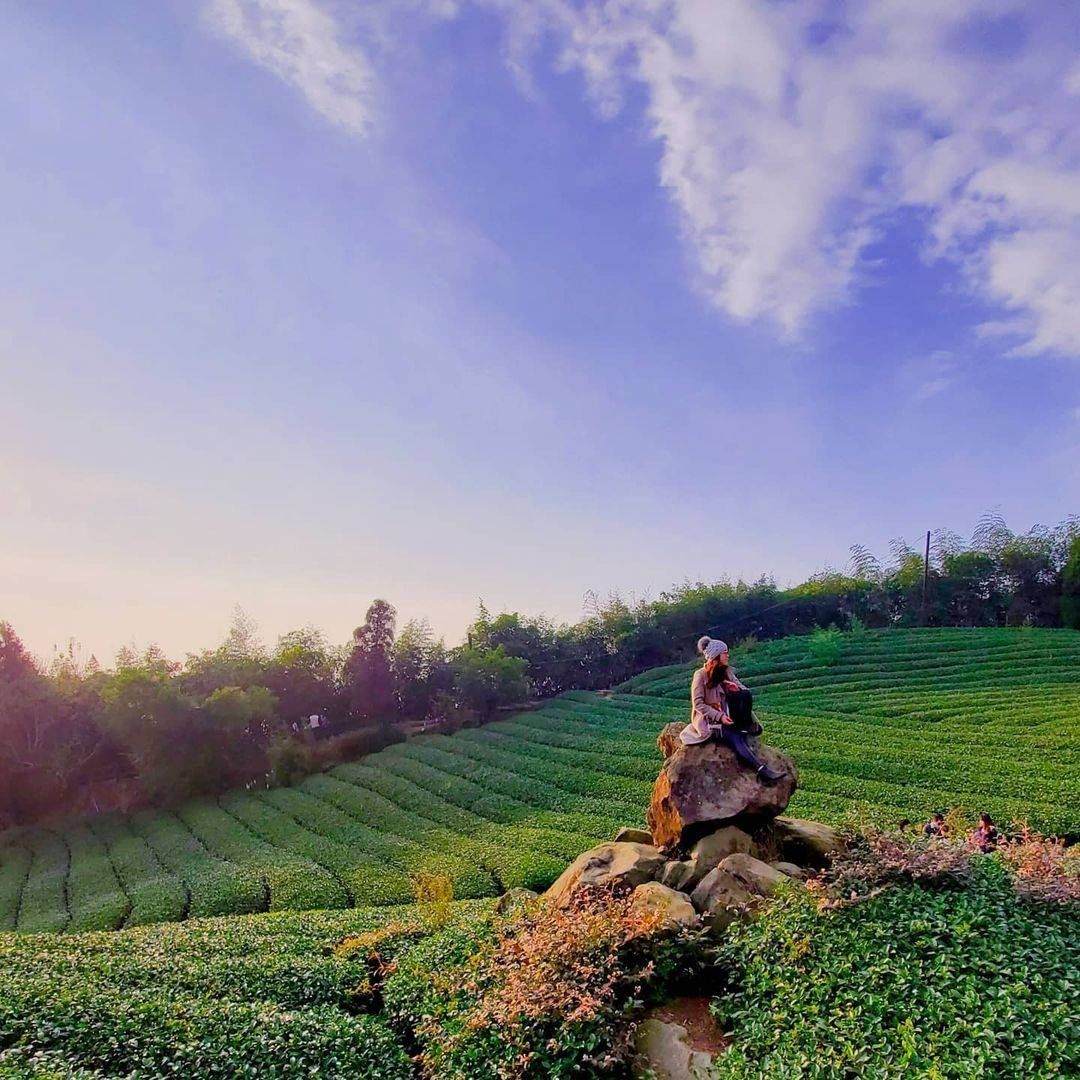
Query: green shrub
x,y
953,983
826,646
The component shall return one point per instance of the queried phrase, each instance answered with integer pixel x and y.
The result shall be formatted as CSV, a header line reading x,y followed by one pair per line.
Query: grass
x,y
897,722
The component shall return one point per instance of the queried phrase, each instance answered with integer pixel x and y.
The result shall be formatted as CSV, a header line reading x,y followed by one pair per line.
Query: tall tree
x,y
369,671
1070,586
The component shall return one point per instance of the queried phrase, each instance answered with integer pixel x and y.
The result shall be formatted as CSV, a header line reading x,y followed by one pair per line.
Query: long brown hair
x,y
715,673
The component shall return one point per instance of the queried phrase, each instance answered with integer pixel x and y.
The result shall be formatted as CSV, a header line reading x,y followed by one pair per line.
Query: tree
x,y
421,670
239,660
484,679
369,672
302,672
1070,586
27,732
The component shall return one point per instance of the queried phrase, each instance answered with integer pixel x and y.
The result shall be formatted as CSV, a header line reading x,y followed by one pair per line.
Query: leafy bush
x,y
826,646
544,993
953,983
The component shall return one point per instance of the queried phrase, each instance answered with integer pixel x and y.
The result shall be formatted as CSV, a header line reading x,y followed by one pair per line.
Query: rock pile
x,y
717,843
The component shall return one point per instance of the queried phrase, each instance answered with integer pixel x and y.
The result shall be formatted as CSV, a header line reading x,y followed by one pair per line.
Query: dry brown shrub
x,y
1045,868
555,967
875,860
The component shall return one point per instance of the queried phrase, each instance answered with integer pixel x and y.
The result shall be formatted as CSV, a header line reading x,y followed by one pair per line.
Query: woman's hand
x,y
725,719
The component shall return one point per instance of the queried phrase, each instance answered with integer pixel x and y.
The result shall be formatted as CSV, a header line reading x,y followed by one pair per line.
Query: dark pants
x,y
737,734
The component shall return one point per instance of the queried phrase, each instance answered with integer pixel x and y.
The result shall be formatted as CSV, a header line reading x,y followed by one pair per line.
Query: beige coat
x,y
708,706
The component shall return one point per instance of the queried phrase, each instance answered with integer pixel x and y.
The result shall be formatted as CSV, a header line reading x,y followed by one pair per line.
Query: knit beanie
x,y
711,648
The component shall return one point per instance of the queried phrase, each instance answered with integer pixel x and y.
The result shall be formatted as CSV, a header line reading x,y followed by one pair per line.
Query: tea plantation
x,y
897,723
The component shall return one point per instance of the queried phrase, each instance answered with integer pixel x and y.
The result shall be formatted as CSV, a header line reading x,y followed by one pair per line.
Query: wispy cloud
x,y
792,136
933,374
302,44
790,140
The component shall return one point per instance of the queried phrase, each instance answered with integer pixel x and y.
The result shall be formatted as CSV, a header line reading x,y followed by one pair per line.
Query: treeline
x,y
160,731
152,731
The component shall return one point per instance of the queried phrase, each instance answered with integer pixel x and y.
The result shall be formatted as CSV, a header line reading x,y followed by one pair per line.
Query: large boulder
x,y
703,786
619,866
673,909
807,843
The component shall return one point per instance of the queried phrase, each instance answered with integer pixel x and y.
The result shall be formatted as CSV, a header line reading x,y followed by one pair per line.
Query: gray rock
x,y
721,898
807,843
752,874
791,870
678,875
611,865
663,1052
633,836
709,850
674,908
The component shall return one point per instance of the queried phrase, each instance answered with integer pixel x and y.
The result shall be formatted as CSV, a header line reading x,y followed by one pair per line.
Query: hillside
x,y
902,721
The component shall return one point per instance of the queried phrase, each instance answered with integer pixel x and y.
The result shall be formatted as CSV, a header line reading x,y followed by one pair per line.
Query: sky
x,y
309,302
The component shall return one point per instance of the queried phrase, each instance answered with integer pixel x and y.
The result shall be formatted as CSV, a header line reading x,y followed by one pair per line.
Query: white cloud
x,y
302,44
790,142
792,138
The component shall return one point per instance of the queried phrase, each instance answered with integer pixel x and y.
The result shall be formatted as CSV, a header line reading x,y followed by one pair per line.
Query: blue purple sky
x,y
304,302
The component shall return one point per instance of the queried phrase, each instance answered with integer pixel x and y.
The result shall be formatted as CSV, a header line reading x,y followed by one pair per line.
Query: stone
x,y
754,875
664,1053
807,843
721,898
618,866
633,836
704,786
790,869
677,874
674,908
710,849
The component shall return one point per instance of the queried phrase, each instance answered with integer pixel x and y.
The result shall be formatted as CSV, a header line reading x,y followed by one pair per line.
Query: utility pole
x,y
925,576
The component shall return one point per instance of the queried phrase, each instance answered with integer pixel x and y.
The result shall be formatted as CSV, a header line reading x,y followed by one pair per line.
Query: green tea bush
x,y
826,646
946,983
900,722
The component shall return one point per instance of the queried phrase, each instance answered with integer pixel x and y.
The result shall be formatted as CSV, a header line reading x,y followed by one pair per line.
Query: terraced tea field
x,y
903,721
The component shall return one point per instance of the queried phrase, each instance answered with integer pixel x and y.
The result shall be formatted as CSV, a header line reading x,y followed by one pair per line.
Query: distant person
x,y
985,837
722,707
936,825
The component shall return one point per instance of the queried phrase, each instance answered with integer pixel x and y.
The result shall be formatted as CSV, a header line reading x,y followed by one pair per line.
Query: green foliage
x,y
258,997
1070,587
484,679
902,723
826,646
915,982
542,992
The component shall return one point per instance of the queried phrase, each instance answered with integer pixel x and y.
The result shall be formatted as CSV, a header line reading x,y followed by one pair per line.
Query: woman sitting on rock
x,y
722,707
